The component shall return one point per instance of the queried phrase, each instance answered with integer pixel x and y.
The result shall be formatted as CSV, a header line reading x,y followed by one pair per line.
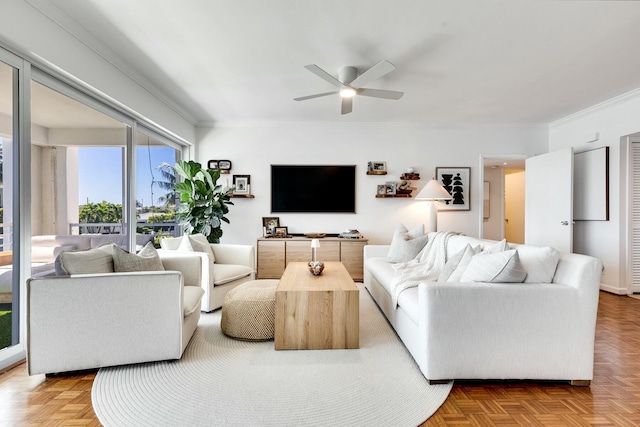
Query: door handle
x,y
564,222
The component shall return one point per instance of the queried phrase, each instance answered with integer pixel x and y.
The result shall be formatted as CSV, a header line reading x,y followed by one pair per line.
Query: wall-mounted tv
x,y
313,188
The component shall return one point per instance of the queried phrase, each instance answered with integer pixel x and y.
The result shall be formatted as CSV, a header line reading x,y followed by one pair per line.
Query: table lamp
x,y
432,192
315,266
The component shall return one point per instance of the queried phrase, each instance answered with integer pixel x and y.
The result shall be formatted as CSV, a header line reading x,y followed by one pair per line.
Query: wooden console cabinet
x,y
274,254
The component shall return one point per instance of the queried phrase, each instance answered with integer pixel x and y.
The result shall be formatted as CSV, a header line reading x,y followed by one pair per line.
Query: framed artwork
x,y
379,166
281,231
212,164
456,181
224,166
270,223
390,188
241,184
382,190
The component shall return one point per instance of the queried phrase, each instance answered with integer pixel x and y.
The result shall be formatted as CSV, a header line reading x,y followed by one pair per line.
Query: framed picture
x,y
390,188
241,184
456,181
270,223
281,231
213,164
224,166
379,166
382,190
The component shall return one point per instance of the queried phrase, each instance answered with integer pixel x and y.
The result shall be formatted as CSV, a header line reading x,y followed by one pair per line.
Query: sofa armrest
x,y
375,251
234,254
190,264
87,321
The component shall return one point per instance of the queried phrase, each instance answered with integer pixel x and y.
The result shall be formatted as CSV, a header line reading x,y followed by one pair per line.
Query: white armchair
x,y
89,321
233,265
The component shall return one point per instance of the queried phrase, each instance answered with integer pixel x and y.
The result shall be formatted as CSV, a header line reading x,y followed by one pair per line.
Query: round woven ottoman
x,y
249,311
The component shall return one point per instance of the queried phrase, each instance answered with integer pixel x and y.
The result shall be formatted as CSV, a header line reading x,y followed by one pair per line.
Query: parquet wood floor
x,y
613,399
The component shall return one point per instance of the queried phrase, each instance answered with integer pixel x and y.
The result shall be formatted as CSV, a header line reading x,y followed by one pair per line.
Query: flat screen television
x,y
313,188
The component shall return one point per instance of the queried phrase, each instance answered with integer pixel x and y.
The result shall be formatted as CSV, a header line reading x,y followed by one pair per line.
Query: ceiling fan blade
x,y
373,73
347,105
323,75
380,93
317,95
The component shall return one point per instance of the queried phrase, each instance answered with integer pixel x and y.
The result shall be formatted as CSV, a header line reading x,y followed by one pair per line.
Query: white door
x,y
549,200
635,217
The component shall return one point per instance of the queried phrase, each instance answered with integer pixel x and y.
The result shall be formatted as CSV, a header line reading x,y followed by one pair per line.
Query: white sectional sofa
x,y
472,330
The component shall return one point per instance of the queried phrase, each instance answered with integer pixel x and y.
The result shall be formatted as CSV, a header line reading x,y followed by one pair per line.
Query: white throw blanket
x,y
424,267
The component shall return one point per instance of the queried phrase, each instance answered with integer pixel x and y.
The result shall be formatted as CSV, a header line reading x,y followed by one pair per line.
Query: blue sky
x,y
100,173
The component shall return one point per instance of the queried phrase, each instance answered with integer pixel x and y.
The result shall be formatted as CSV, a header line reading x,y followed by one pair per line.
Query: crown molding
x,y
64,21
620,99
321,124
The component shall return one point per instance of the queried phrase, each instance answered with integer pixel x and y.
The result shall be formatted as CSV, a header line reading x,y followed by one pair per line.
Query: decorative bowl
x,y
315,235
316,267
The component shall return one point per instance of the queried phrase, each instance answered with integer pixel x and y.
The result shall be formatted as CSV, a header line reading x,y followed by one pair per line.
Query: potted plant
x,y
203,203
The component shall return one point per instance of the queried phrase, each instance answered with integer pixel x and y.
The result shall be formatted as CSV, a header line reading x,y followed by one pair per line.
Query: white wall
x,y
253,149
35,35
606,240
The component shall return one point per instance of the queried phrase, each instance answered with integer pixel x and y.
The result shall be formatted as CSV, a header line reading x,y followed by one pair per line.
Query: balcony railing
x,y
167,228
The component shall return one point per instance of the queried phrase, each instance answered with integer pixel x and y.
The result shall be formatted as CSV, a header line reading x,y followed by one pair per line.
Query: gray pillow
x,y
406,244
91,261
456,264
145,260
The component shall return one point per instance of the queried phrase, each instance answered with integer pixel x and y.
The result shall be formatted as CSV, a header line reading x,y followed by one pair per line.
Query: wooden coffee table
x,y
317,312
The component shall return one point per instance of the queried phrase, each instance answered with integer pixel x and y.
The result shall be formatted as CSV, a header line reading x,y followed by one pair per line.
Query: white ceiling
x,y
458,61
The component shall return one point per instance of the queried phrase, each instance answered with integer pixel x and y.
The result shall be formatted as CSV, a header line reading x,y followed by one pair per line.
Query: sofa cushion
x,y
494,248
406,244
501,267
409,301
48,254
90,261
457,264
540,262
382,270
225,273
191,299
145,260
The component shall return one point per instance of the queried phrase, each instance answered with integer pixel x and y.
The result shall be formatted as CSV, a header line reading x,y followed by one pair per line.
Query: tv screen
x,y
313,188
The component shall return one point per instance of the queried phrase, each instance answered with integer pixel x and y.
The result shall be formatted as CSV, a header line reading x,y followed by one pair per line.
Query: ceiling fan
x,y
350,84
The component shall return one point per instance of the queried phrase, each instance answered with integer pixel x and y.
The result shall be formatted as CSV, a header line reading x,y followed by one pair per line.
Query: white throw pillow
x,y
405,244
501,267
456,264
540,263
145,260
91,261
494,248
199,243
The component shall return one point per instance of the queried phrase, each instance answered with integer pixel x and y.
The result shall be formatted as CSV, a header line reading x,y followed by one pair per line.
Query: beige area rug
x,y
224,382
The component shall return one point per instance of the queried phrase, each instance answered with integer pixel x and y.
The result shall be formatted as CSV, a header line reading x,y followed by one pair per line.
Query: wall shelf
x,y
376,172
243,196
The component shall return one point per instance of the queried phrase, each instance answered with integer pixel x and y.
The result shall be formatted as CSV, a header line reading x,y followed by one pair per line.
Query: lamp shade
x,y
433,191
315,243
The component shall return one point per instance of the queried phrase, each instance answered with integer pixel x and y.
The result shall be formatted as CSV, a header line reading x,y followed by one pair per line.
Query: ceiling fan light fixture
x,y
348,92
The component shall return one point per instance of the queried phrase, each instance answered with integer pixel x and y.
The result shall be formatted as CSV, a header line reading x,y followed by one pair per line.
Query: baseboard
x,y
613,290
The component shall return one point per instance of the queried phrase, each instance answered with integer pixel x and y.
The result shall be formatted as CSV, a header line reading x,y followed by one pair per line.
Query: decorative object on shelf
x,y
269,224
281,231
224,166
241,184
212,164
315,235
382,190
410,174
432,193
376,168
404,187
351,233
456,181
203,203
390,188
315,266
